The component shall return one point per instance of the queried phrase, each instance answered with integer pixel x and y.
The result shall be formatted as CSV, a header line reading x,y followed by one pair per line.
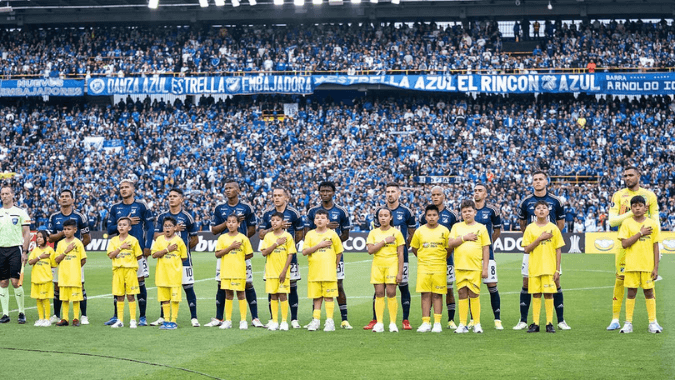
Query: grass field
x,y
587,351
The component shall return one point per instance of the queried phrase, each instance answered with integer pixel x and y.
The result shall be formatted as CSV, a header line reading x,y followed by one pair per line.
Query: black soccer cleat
x,y
533,328
549,328
62,323
22,318
4,319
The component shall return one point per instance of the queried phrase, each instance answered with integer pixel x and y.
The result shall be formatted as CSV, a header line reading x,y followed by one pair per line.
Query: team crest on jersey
x,y
334,215
15,220
399,217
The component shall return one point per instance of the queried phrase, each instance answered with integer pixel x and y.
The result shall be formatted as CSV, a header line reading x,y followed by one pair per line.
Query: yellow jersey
x,y
127,258
640,256
233,265
169,271
621,205
469,255
432,248
323,262
42,270
277,259
387,255
542,258
70,268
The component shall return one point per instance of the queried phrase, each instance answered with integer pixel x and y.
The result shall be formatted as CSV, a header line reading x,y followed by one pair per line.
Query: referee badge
x,y
15,220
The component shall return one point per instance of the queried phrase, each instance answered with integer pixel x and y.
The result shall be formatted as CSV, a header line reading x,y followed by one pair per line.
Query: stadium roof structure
x,y
89,12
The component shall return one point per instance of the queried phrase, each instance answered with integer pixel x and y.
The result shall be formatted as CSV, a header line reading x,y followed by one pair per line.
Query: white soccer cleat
x,y
133,324
424,327
256,323
214,323
273,326
38,323
563,326
194,322
84,320
226,325
329,325
520,326
461,329
437,328
378,328
477,328
614,325
117,324
243,325
158,322
393,327
654,328
657,325
54,319
46,323
313,326
283,326
627,328
296,325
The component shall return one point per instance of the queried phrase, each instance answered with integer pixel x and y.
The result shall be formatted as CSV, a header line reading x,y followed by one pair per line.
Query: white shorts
x,y
143,268
295,272
55,275
526,266
188,275
249,272
406,276
451,275
341,270
492,273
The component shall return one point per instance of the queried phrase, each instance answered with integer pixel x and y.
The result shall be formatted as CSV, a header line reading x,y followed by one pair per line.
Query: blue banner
x,y
41,87
245,85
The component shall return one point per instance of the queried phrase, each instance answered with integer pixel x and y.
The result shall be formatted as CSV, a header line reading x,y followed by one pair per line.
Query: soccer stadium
x,y
187,183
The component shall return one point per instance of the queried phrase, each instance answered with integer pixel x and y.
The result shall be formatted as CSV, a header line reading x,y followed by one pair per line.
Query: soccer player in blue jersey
x,y
187,229
447,218
142,229
338,218
55,228
404,221
247,225
294,225
489,216
526,216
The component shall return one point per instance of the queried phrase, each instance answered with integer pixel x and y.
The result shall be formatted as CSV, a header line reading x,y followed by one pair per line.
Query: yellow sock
x,y
284,311
132,310
437,318
228,310
379,309
536,310
243,309
475,309
41,309
274,304
651,309
630,306
76,310
330,309
617,300
463,311
316,314
174,311
548,305
48,308
65,310
120,310
166,308
426,319
393,309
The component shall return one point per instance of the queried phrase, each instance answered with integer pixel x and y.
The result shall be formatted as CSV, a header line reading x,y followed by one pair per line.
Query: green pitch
x,y
587,351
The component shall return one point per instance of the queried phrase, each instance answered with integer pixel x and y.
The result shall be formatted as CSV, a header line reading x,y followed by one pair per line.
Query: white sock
x,y
4,300
18,293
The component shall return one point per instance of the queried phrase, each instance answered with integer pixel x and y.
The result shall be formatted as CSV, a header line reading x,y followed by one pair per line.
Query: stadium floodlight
x,y
549,6
396,1
252,2
299,3
317,2
235,3
356,1
220,3
278,2
374,1
153,4
203,3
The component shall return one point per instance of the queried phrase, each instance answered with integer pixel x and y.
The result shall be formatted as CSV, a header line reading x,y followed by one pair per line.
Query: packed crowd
x,y
361,146
295,49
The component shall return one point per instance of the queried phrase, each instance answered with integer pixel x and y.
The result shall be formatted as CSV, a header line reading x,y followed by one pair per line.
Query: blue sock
x,y
495,301
558,304
115,307
57,302
220,303
405,300
293,301
83,303
252,300
451,311
343,311
192,300
142,299
374,315
525,299
269,304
